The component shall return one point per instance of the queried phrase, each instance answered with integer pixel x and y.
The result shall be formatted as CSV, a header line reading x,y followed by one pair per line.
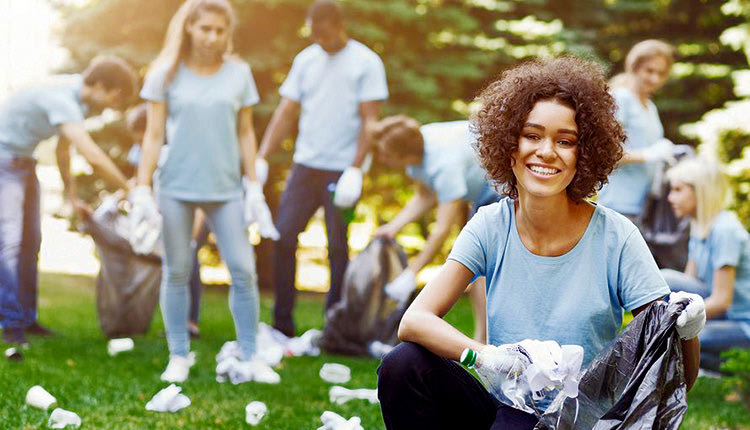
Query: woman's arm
x,y
247,140
722,292
691,354
691,269
153,139
423,323
422,201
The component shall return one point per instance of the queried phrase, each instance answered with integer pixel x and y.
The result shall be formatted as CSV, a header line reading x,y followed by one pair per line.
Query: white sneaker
x,y
264,373
178,368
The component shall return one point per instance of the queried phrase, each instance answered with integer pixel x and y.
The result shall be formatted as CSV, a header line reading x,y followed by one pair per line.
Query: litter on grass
x,y
169,399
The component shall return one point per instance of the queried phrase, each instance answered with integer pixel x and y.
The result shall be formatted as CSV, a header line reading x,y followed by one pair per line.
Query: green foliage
x,y
738,365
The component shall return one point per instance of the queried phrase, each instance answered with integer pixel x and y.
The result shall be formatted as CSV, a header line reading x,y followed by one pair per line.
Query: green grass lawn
x,y
111,392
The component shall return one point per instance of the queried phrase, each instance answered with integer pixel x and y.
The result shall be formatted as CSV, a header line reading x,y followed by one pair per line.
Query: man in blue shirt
x,y
335,88
27,117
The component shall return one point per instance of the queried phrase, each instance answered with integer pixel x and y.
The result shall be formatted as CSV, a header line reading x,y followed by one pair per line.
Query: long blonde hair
x,y
177,44
704,175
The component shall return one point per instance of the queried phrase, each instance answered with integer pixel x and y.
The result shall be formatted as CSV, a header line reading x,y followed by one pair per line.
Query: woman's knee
x,y
405,359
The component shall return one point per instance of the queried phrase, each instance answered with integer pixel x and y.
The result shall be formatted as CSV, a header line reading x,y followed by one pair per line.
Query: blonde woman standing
x,y
718,265
200,100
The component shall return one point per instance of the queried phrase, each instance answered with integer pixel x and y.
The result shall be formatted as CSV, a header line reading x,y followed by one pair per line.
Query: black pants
x,y
419,390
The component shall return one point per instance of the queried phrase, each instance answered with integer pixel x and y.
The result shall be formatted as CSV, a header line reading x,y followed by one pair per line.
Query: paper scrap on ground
x,y
60,418
335,373
334,421
38,397
13,354
340,395
116,346
168,400
267,350
378,349
254,412
269,339
237,372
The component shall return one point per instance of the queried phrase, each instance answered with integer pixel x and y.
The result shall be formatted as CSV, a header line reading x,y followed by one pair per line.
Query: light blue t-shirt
x,y
629,183
449,165
576,298
33,114
727,244
204,154
330,89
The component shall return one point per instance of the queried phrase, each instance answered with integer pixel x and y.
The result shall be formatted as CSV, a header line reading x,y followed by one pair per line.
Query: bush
x,y
738,364
733,148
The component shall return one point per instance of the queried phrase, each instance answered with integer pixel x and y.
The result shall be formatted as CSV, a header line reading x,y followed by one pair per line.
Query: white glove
x,y
261,170
692,319
348,188
401,288
256,210
145,220
662,150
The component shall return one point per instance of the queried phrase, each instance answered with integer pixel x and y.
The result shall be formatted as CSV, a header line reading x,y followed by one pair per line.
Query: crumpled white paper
x,y
307,344
334,421
60,418
340,395
553,365
254,412
237,372
168,400
116,346
335,373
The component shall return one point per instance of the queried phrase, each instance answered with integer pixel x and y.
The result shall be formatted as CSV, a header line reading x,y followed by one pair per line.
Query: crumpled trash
x,y
13,354
335,373
378,349
334,421
237,371
169,399
116,346
340,395
307,344
40,398
60,418
553,366
637,382
254,412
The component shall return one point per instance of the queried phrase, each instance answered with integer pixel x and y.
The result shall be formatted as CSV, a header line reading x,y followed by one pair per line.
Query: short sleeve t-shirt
x,y
204,155
330,89
575,298
727,244
34,114
629,184
449,165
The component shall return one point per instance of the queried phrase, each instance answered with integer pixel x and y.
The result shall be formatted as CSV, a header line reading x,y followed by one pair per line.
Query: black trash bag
x,y
666,236
365,313
127,286
637,382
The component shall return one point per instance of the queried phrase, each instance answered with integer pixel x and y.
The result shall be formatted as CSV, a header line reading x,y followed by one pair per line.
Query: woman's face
x,y
545,162
683,200
651,74
209,34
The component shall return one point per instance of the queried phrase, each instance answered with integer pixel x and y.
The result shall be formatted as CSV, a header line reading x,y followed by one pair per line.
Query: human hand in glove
x,y
692,319
256,210
662,150
348,188
261,170
145,220
506,361
402,286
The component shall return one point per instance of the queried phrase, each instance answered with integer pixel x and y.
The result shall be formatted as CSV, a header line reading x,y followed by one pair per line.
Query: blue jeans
x,y
306,190
20,237
720,334
196,285
226,221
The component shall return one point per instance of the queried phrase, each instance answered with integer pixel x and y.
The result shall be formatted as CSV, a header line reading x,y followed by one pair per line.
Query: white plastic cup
x,y
38,397
116,346
335,373
60,418
254,412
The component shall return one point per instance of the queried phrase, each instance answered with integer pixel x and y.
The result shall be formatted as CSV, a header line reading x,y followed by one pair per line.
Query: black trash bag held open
x,y
127,286
365,313
638,382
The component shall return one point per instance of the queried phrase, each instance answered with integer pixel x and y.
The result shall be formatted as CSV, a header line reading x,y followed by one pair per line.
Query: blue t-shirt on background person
x,y
204,153
575,298
449,164
33,114
727,244
629,184
330,89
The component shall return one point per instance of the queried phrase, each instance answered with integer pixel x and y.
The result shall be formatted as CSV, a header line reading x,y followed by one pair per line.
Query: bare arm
x,y
369,113
448,215
62,154
423,323
281,125
722,292
156,121
248,142
422,201
691,269
691,354
76,134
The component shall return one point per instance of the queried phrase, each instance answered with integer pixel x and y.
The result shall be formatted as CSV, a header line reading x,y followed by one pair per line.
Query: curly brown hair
x,y
575,82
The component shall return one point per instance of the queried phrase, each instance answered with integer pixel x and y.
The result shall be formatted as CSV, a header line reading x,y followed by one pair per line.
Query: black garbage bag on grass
x,y
638,382
127,286
365,313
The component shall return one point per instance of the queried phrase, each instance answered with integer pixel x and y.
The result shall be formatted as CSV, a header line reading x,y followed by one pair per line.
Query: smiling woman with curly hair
x,y
557,267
